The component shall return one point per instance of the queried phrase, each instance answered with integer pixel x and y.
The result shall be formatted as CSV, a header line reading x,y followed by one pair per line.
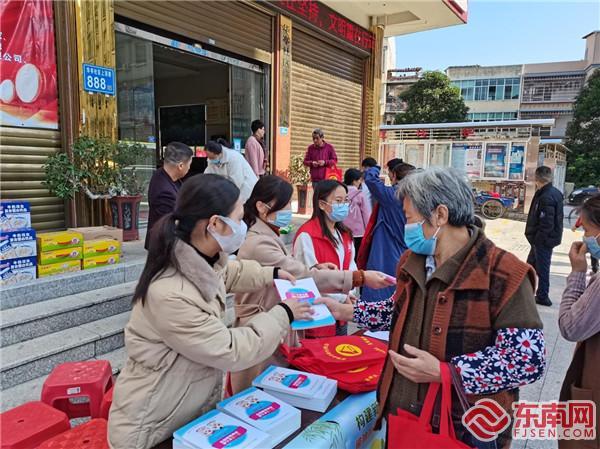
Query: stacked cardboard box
x,y
17,243
59,252
100,252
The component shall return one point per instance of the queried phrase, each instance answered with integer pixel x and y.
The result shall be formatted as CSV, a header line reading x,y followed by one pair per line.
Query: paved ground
x,y
509,235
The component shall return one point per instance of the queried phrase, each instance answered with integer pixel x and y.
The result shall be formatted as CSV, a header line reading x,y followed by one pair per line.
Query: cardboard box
x,y
100,232
51,241
17,244
59,268
17,271
101,247
60,255
15,215
100,261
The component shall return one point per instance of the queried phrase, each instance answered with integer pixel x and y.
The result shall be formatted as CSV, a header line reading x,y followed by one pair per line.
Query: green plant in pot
x,y
101,170
299,175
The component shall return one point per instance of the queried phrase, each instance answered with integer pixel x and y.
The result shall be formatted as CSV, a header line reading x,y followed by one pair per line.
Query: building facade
x,y
396,82
199,70
529,91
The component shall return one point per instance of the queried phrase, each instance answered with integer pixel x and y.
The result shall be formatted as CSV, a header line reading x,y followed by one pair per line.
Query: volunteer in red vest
x,y
460,300
325,239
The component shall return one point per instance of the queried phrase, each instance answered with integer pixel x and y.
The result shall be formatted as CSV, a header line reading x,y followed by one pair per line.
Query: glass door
x,y
135,104
247,103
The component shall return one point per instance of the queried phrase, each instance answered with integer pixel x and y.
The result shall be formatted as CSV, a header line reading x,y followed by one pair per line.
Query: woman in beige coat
x,y
177,344
267,210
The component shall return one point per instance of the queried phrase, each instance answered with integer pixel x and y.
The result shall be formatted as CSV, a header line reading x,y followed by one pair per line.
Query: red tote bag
x,y
407,431
333,173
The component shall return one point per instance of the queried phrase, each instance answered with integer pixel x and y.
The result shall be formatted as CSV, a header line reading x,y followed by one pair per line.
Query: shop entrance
x,y
166,94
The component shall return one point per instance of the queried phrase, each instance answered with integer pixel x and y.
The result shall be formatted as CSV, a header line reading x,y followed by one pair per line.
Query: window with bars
x,y
552,89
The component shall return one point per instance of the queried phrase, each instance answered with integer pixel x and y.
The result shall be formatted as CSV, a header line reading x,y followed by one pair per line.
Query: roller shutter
x,y
232,25
327,93
22,156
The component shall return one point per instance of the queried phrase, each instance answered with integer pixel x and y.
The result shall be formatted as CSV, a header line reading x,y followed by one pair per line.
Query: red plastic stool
x,y
106,403
91,435
28,425
78,380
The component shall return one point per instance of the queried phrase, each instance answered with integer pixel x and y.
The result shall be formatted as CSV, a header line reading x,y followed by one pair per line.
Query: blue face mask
x,y
339,212
416,241
214,161
593,246
282,218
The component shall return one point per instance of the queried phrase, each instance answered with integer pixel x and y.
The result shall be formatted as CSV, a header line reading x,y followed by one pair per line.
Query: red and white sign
x,y
28,92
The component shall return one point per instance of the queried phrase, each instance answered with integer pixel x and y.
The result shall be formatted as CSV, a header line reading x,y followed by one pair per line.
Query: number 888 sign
x,y
98,79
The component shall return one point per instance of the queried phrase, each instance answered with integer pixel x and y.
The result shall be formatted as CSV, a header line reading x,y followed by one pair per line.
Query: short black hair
x,y
256,125
369,162
268,188
177,152
224,142
393,162
401,170
214,147
544,174
351,175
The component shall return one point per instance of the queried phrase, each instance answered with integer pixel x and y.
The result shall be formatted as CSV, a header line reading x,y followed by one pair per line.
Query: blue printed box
x,y
17,271
17,244
15,215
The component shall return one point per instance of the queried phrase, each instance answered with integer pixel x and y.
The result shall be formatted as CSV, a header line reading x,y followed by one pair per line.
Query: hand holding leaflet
x,y
305,290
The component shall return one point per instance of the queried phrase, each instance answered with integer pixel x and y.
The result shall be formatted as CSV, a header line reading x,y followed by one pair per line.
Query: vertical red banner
x,y
28,92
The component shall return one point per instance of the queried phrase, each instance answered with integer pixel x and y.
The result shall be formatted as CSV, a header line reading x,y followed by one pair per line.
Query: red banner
x,y
28,93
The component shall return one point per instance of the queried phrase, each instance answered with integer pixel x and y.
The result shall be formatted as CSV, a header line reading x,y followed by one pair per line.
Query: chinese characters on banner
x,y
28,93
328,20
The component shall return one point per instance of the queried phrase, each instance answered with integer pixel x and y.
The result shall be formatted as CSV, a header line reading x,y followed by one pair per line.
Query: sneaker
x,y
543,301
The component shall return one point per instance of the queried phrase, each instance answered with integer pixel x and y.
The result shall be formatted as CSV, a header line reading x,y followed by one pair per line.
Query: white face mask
x,y
232,242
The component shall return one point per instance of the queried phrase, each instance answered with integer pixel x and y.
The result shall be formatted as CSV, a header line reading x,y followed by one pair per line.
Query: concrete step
x,y
68,284
32,390
35,320
27,360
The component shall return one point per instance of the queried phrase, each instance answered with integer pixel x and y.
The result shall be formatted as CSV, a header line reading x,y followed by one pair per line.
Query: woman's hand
x,y
577,257
282,274
341,312
301,309
377,280
421,368
326,266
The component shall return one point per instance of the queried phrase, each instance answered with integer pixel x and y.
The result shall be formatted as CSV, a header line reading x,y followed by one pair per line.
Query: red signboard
x,y
28,94
330,21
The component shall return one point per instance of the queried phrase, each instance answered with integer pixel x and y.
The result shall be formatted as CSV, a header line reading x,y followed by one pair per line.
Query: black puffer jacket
x,y
545,219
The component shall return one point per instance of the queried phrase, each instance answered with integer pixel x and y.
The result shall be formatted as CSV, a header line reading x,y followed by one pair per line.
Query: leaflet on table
x,y
305,289
319,402
263,411
379,335
289,381
217,430
347,426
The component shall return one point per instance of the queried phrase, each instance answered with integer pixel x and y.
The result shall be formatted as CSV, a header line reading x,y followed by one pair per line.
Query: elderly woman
x,y
579,319
459,299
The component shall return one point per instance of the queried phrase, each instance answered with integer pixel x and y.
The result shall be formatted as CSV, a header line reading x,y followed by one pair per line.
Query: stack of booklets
x,y
297,388
263,411
219,430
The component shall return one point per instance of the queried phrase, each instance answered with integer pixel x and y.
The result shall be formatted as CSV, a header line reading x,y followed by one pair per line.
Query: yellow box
x,y
50,241
100,247
59,268
60,255
100,261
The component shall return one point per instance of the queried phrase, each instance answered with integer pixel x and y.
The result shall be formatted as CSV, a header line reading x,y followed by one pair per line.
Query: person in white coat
x,y
231,164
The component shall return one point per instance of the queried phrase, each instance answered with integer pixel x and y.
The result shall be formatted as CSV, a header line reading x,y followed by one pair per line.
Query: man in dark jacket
x,y
165,183
319,156
544,230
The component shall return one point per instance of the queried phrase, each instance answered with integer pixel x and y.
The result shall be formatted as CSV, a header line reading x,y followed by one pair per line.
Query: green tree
x,y
583,135
433,99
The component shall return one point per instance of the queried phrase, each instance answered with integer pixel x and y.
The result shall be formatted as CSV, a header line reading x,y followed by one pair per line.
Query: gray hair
x,y
177,152
318,132
432,187
544,174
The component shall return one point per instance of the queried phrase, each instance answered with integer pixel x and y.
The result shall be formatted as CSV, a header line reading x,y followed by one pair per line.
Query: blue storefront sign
x,y
98,79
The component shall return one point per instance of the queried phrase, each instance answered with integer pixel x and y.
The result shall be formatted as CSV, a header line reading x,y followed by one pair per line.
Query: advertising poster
x,y
495,160
28,92
467,157
516,168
